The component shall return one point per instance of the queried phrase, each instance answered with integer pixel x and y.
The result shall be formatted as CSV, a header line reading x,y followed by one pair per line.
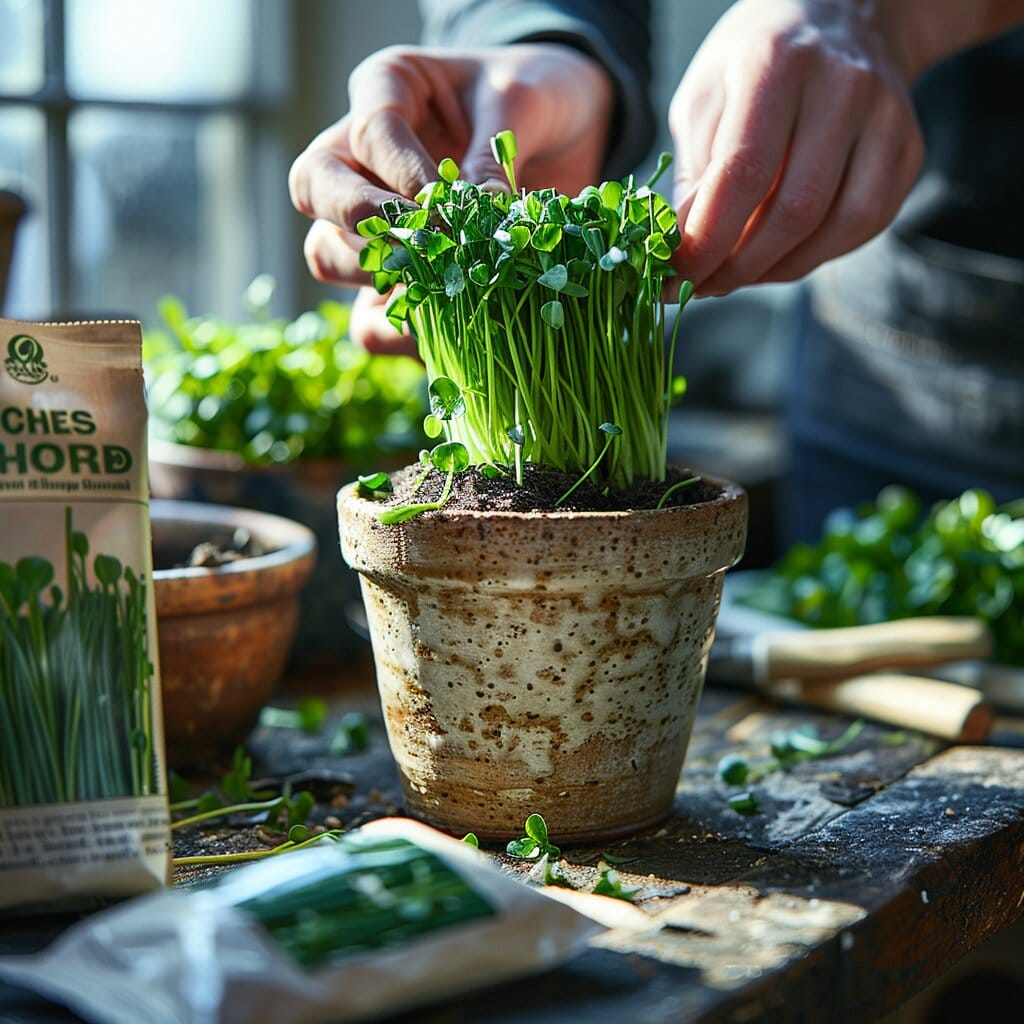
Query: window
x,y
146,139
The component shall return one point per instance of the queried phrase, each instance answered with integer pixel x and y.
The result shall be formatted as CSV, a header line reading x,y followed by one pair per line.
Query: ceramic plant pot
x,y
224,632
542,662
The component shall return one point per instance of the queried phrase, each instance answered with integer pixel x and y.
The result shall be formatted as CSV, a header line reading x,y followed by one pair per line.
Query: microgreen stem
x,y
675,487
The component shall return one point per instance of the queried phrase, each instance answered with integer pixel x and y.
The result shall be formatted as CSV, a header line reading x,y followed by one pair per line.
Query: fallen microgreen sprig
x,y
235,795
544,312
351,736
309,715
284,811
299,838
610,884
789,748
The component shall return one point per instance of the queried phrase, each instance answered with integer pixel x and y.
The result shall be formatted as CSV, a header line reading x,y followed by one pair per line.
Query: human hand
x,y
795,139
412,106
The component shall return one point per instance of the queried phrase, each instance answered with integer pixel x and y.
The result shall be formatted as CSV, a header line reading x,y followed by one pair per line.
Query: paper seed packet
x,y
83,805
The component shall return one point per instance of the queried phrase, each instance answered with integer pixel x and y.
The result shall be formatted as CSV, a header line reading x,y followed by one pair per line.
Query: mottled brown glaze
x,y
542,662
224,633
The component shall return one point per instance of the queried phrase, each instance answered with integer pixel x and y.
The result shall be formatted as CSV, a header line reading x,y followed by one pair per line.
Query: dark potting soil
x,y
542,486
208,554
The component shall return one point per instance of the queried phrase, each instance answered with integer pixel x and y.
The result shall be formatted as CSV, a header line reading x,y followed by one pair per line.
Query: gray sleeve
x,y
616,33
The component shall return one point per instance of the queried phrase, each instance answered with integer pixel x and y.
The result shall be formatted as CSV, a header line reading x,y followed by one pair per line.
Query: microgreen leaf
x,y
451,456
446,399
555,277
351,735
503,146
609,883
470,839
536,828
733,770
553,314
454,280
745,803
546,237
374,485
664,160
448,169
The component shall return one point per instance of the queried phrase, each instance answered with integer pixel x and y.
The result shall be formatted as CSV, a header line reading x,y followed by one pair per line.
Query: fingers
x,y
877,181
746,154
393,96
370,327
800,200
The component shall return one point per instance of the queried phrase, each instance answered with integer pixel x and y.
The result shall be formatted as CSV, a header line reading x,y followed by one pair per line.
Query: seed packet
x,y
83,805
391,916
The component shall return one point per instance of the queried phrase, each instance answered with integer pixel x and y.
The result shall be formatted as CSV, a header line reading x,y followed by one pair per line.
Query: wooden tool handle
x,y
947,710
837,653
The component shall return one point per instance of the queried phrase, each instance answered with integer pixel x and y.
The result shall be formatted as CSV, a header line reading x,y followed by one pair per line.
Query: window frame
x,y
260,110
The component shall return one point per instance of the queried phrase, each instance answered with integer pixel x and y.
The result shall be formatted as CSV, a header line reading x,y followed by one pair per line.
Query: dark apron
x,y
908,368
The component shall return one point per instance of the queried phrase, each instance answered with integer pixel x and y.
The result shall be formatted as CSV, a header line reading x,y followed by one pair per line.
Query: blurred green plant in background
x,y
273,391
885,561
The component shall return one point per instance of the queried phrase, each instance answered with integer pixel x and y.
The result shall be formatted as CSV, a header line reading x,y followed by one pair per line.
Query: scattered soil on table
x,y
542,486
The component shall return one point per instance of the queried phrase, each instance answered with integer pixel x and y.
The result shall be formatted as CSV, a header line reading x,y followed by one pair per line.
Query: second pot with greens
x,y
275,415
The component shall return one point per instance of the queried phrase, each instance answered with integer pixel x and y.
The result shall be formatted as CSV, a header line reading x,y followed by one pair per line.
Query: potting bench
x,y
862,878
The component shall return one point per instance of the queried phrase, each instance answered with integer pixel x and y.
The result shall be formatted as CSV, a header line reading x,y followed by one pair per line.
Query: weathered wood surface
x,y
865,875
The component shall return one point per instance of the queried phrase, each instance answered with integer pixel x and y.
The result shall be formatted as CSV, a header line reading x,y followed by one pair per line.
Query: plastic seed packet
x,y
391,916
83,806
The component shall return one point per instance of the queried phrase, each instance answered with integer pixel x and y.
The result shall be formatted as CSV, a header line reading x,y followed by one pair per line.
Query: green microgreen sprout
x,y
470,839
675,487
543,313
309,715
609,883
351,736
612,432
745,803
733,769
535,844
447,403
789,748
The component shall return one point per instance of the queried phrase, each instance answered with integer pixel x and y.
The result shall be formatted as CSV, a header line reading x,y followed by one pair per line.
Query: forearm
x,y
924,32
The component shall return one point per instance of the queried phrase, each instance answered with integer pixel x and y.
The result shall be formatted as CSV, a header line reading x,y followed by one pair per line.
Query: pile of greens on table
x,y
273,391
884,561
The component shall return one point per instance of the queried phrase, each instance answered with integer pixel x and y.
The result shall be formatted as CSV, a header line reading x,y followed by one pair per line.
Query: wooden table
x,y
864,876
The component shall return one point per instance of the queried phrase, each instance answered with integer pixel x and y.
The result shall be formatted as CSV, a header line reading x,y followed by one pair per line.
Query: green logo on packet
x,y
25,362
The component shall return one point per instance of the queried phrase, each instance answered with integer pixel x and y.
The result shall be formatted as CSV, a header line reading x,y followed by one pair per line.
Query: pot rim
x,y
730,492
293,541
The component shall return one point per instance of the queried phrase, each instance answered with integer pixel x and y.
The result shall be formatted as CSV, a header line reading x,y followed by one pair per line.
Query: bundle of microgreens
x,y
540,320
75,681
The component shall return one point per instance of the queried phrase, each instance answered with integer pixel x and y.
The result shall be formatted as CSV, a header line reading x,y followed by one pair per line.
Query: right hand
x,y
412,106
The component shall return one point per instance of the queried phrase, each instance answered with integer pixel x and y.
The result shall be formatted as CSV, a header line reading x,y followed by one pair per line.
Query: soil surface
x,y
218,550
542,486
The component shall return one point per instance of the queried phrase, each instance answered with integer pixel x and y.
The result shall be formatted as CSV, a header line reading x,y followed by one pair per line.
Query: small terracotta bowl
x,y
225,632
